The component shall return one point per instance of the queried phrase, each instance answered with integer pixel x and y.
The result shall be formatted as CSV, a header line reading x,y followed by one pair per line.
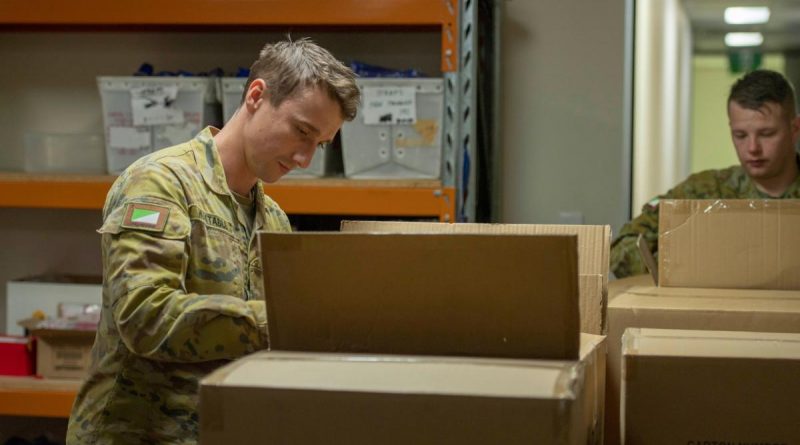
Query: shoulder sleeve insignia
x,y
145,217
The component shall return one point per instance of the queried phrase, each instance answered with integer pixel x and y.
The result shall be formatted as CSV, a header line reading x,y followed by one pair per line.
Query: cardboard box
x,y
688,308
505,296
24,297
709,387
63,354
285,397
593,255
742,244
16,355
621,285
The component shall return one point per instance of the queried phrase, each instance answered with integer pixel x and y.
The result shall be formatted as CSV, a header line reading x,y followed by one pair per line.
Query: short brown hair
x,y
290,65
761,86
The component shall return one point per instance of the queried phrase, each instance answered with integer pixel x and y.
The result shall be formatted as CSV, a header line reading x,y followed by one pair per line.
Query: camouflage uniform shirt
x,y
182,295
730,183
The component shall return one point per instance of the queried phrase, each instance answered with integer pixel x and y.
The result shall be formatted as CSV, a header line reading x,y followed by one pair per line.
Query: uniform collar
x,y
794,188
208,160
210,165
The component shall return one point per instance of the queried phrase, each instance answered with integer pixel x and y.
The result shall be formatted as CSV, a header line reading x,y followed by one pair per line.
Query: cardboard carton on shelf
x,y
63,346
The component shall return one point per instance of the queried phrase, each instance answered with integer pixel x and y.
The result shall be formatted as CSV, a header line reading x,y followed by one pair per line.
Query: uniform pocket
x,y
216,256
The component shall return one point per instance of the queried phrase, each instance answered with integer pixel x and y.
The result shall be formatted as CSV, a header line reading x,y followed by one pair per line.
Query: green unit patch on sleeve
x,y
145,217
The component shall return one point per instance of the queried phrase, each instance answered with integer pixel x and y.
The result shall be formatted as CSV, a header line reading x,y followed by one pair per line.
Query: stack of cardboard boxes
x,y
423,333
469,333
724,265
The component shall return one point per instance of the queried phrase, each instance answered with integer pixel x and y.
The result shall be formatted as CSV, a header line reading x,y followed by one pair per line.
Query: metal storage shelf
x,y
439,13
37,397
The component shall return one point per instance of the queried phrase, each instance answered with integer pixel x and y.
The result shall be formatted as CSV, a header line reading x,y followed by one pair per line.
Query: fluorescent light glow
x,y
746,15
744,39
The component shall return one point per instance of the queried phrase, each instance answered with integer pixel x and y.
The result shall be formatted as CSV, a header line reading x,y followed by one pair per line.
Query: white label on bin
x,y
389,105
173,134
155,105
128,137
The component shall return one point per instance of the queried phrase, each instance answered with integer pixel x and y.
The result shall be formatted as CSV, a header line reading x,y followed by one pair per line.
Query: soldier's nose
x,y
753,146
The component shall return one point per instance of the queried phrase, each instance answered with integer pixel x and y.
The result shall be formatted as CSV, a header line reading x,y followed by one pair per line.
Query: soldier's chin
x,y
271,178
758,172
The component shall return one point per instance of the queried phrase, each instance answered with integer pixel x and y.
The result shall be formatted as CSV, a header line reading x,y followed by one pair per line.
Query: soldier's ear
x,y
256,95
795,129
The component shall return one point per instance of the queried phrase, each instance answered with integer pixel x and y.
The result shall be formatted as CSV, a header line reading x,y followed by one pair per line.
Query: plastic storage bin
x,y
229,92
144,114
212,108
64,153
390,148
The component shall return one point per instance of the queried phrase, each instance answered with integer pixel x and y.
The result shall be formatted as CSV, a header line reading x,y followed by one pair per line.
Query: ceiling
x,y
781,33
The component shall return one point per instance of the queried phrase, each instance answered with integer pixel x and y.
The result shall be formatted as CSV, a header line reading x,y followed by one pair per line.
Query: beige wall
x,y
711,145
661,98
562,128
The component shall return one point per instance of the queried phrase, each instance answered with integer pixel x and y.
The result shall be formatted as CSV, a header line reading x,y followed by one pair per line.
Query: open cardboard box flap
x,y
487,295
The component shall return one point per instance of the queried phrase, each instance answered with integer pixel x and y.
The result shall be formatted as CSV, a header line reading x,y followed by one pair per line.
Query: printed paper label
x,y
155,105
389,105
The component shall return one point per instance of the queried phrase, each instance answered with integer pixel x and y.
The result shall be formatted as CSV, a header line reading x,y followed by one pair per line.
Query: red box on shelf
x,y
16,355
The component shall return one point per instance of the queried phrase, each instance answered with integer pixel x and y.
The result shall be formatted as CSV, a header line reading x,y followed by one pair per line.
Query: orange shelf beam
x,y
440,13
296,196
28,396
57,192
377,198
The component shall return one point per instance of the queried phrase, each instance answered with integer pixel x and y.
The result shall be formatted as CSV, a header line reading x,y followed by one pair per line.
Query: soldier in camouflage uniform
x,y
182,279
765,130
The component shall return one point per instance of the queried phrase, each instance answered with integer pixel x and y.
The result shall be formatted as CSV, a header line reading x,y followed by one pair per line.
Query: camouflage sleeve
x,y
144,277
625,257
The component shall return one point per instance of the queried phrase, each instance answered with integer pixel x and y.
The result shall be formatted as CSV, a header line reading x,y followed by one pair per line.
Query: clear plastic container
x,y
64,153
385,150
127,142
